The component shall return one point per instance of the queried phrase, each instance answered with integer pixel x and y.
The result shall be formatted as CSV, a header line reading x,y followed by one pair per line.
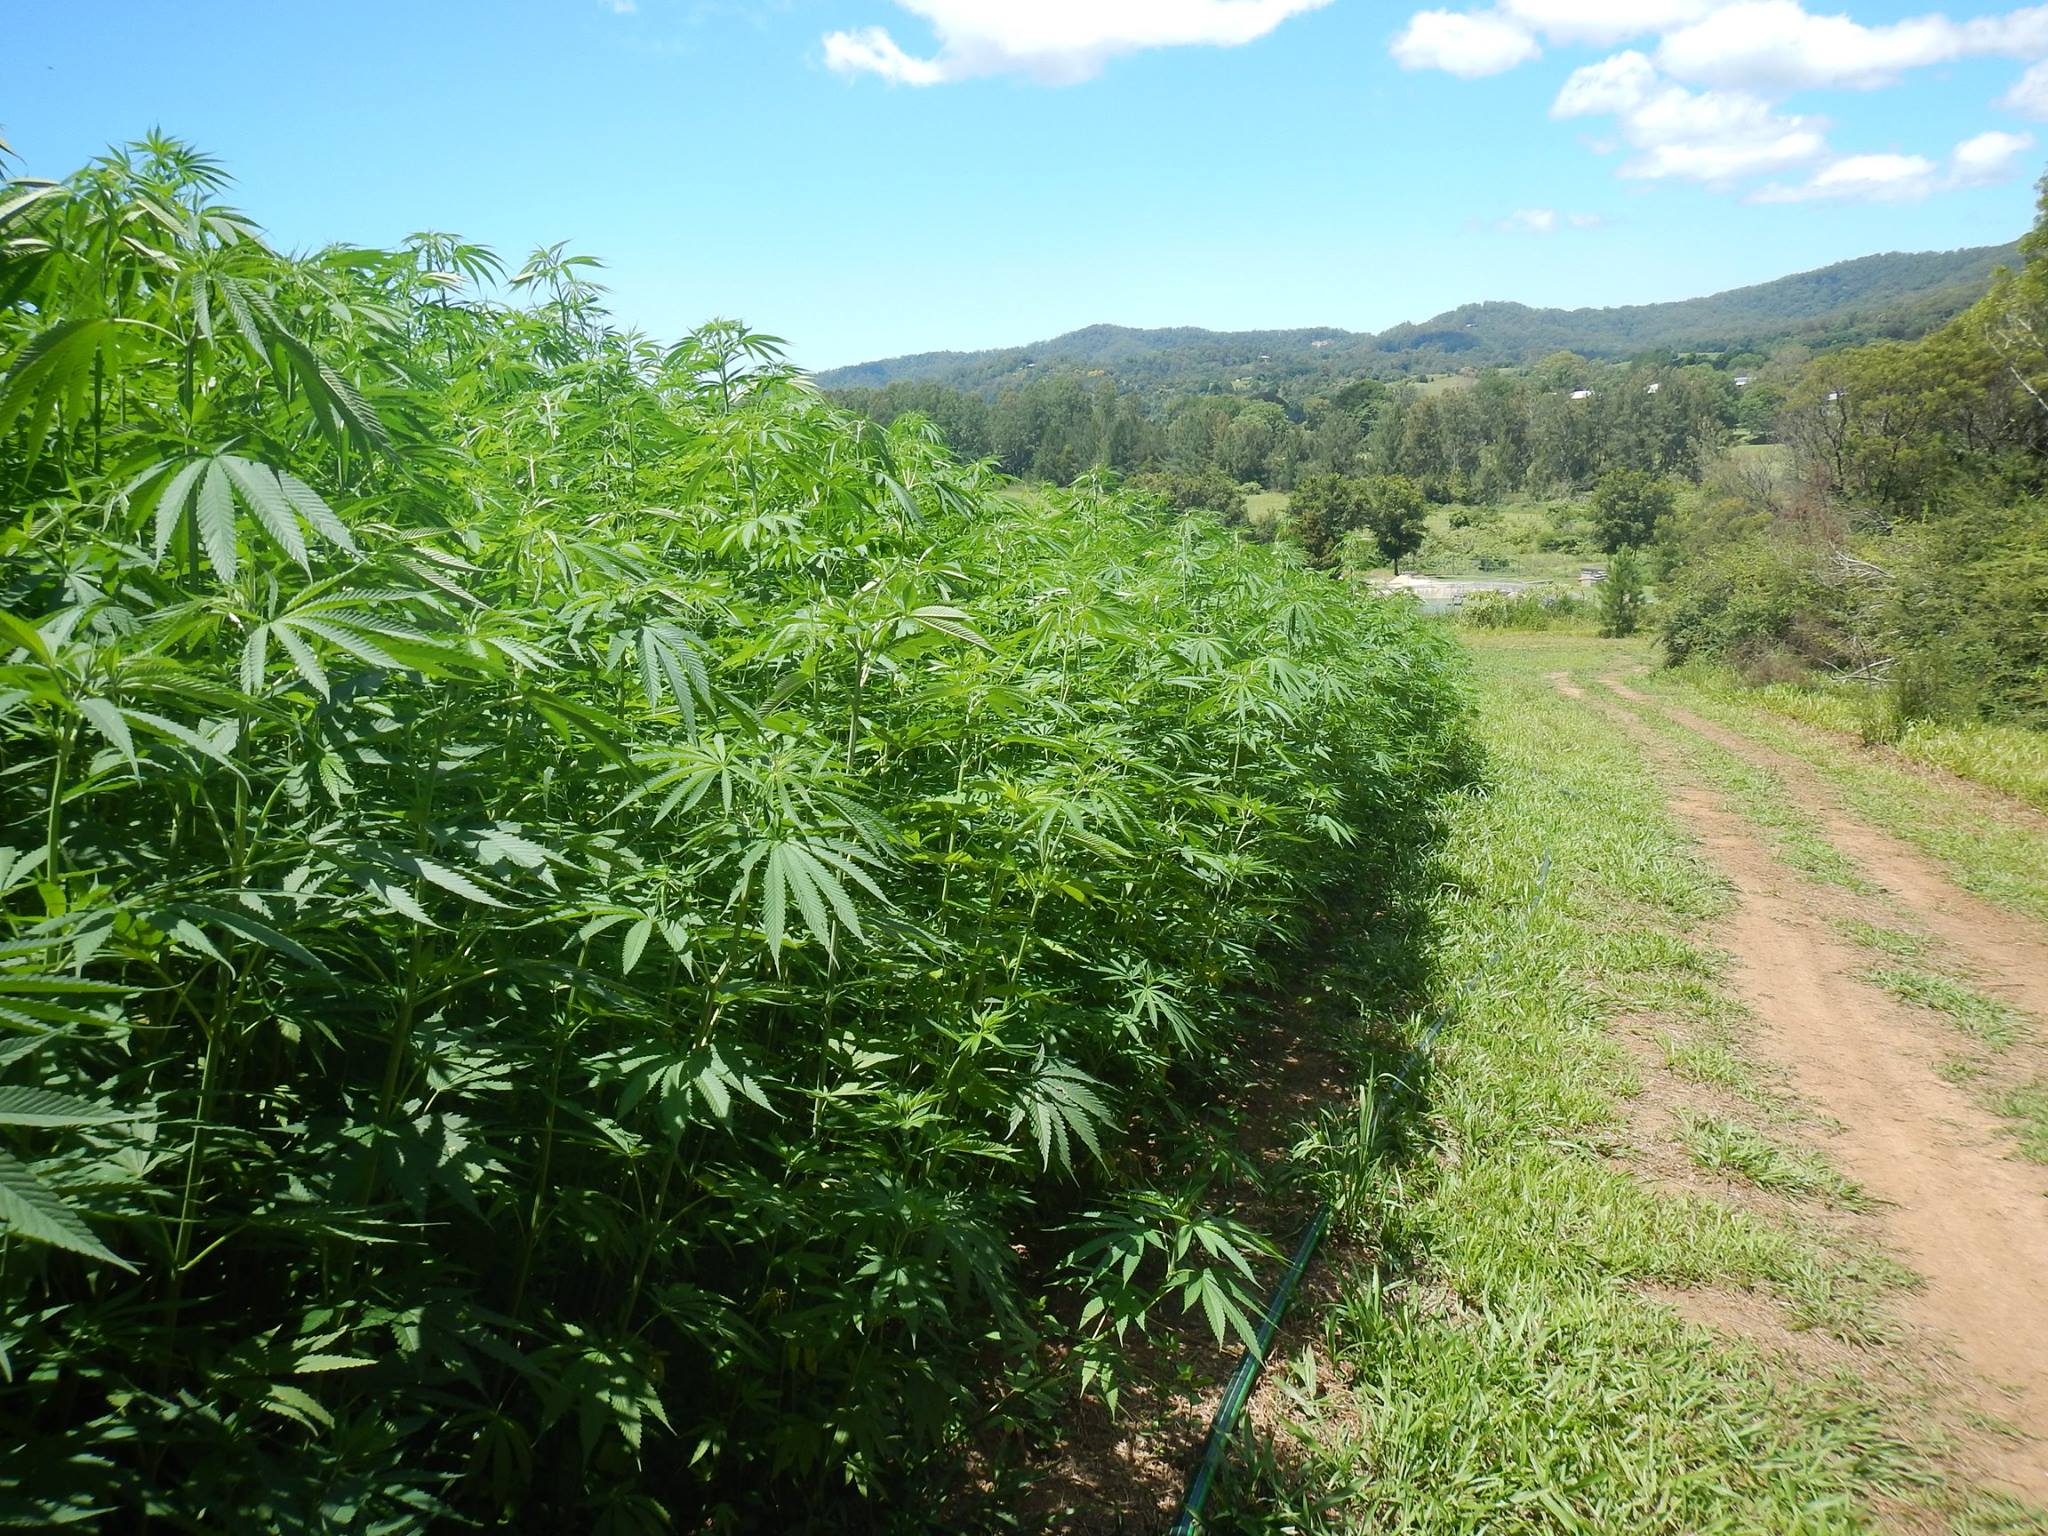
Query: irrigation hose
x,y
1239,1392
1246,1377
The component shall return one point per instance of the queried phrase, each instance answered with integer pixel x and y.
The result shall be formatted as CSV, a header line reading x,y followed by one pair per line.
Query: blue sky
x,y
868,177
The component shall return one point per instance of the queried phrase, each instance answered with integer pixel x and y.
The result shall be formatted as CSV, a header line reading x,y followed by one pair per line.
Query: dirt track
x,y
1959,1210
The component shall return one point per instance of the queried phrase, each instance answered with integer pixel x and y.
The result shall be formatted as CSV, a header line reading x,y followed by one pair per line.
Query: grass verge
x,y
1950,825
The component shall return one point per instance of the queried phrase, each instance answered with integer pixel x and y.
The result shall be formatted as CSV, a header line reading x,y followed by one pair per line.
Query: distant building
x,y
1319,344
1582,394
1592,575
1742,381
1651,389
1837,394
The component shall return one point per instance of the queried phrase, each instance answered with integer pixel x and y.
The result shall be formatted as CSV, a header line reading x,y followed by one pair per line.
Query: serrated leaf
x,y
36,1213
216,521
105,716
23,1105
266,498
635,944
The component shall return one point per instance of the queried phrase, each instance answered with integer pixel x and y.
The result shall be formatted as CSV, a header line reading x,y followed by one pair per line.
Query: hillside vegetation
x,y
1893,294
1900,547
587,941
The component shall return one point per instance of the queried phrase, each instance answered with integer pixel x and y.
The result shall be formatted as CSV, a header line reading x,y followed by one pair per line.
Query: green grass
x,y
2007,758
2027,1108
1896,942
1728,1146
1505,1370
1707,1061
1984,1017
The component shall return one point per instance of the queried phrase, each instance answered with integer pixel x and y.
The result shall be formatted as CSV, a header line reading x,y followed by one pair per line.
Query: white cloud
x,y
871,50
1705,101
1760,45
1546,221
1988,158
1860,179
1600,22
1892,178
1779,45
1615,85
1710,136
1053,41
2029,95
1463,43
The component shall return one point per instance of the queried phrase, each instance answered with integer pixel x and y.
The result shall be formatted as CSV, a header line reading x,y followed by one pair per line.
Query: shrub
x,y
1621,595
1522,610
1743,599
590,941
1205,490
1967,618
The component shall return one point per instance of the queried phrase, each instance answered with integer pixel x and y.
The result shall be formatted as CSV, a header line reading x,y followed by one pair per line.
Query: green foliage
x,y
1393,514
1628,507
1968,616
1523,610
1908,546
1621,595
1322,510
1746,601
588,940
1208,490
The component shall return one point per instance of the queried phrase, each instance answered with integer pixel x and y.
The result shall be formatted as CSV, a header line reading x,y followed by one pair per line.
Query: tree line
x,y
1552,429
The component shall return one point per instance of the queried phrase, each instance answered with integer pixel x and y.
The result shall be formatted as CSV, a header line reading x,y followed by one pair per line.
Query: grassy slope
x,y
2007,758
1505,1369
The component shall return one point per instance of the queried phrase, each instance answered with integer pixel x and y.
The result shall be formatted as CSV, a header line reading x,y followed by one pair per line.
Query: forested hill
x,y
1894,294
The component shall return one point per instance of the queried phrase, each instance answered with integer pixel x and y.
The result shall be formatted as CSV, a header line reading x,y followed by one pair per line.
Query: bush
x,y
1205,490
601,944
1621,595
1743,600
1567,531
1967,619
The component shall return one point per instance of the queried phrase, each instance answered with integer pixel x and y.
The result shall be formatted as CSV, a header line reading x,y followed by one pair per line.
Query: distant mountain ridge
x,y
1893,294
